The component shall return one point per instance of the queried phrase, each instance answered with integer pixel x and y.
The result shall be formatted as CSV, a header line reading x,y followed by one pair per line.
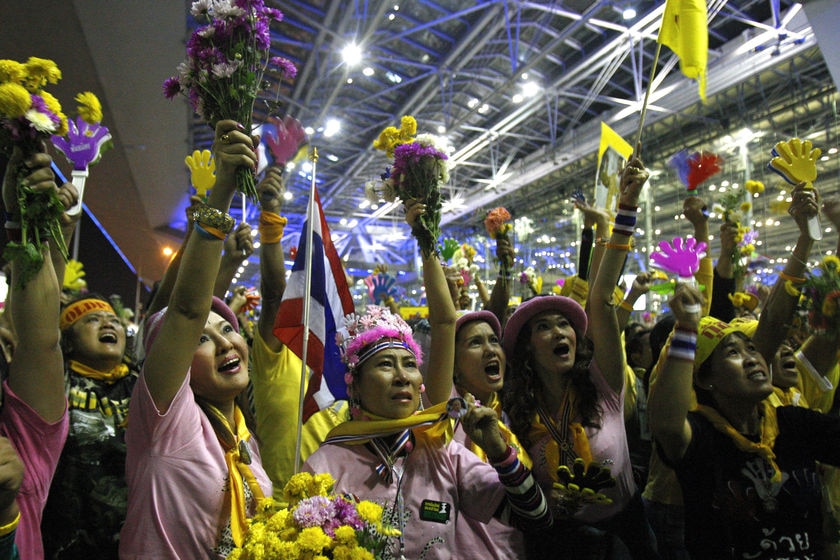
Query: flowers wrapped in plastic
x,y
421,166
822,296
498,226
227,58
316,523
732,207
29,116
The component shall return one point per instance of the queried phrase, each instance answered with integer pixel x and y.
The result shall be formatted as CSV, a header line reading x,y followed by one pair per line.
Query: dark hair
x,y
522,386
636,343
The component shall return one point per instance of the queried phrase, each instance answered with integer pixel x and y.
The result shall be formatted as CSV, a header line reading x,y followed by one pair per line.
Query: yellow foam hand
x,y
795,161
74,276
202,171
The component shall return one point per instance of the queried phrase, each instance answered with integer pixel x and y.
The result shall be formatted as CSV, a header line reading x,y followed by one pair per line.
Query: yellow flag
x,y
685,31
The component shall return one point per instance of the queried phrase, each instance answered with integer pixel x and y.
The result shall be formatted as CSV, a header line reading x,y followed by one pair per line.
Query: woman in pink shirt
x,y
193,468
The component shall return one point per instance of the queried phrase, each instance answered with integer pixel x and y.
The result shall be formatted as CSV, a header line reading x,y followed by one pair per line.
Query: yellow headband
x,y
79,309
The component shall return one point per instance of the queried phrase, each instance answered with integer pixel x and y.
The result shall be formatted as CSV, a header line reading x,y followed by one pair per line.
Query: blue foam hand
x,y
679,257
383,287
681,164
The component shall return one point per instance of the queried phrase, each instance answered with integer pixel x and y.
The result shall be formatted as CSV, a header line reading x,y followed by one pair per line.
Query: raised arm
x,y
500,295
603,324
781,303
238,246
171,353
272,264
442,318
36,373
670,395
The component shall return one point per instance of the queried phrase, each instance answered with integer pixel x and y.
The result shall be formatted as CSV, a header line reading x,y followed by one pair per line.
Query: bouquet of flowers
x,y
227,58
498,226
731,208
530,279
421,166
316,523
822,296
29,115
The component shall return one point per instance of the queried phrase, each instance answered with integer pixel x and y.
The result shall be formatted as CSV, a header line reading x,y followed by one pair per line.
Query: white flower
x,y
201,8
225,9
226,69
40,121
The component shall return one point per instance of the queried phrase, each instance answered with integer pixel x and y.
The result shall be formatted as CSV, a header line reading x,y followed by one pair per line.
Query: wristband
x,y
626,305
271,226
792,279
618,246
10,526
683,345
213,217
509,458
625,220
791,289
208,232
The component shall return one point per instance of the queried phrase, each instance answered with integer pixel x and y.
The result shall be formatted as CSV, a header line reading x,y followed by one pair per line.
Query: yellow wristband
x,y
271,227
10,526
792,290
618,246
625,305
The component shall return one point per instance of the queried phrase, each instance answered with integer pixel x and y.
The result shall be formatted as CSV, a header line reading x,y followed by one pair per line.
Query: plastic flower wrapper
x,y
822,296
202,168
581,485
731,207
227,57
530,279
316,523
498,226
796,162
421,166
29,116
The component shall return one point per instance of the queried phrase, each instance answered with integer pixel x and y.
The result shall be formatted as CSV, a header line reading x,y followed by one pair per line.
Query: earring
x,y
711,387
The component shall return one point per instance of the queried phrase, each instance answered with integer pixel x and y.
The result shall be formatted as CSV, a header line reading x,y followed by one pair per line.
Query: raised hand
x,y
84,143
202,171
795,161
681,258
580,485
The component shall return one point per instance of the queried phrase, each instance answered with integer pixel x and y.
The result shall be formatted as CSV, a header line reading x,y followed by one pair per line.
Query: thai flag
x,y
329,302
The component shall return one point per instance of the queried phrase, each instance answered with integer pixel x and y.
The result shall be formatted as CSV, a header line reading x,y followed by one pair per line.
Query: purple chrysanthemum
x,y
314,511
285,65
171,87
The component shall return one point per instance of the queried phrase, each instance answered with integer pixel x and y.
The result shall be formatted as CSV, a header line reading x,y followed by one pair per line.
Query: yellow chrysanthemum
x,y
321,484
297,487
235,554
746,206
89,107
346,535
15,101
313,539
408,128
279,520
39,72
360,553
11,71
369,512
830,262
754,187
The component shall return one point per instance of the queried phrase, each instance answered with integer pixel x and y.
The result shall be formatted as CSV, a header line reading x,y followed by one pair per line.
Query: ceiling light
x,y
472,103
343,221
530,89
628,13
441,129
364,204
368,71
332,128
351,54
306,167
332,157
349,80
391,17
309,131
393,78
832,151
517,98
396,7
167,251
288,196
484,108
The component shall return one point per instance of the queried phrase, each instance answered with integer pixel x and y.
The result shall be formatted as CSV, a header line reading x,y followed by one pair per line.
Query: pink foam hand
x,y
84,143
679,257
286,138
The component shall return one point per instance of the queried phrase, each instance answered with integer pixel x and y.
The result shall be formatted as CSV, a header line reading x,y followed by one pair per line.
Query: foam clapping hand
x,y
202,171
84,143
795,161
681,258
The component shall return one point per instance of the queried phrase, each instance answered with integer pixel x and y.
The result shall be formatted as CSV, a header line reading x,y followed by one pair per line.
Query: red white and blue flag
x,y
329,302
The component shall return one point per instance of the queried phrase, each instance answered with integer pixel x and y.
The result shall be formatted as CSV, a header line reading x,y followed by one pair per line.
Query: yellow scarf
x,y
509,437
769,432
787,397
107,376
430,425
238,459
558,443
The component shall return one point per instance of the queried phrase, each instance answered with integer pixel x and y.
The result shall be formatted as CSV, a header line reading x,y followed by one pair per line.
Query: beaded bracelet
x,y
213,217
683,345
208,232
271,226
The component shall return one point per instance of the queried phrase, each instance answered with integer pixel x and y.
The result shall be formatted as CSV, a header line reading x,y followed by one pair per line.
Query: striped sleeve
x,y
525,507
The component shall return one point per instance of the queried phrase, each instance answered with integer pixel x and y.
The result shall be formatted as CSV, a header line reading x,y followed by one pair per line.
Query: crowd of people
x,y
498,432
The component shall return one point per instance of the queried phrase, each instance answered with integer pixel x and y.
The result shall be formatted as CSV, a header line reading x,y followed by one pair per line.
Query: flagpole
x,y
645,102
307,293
